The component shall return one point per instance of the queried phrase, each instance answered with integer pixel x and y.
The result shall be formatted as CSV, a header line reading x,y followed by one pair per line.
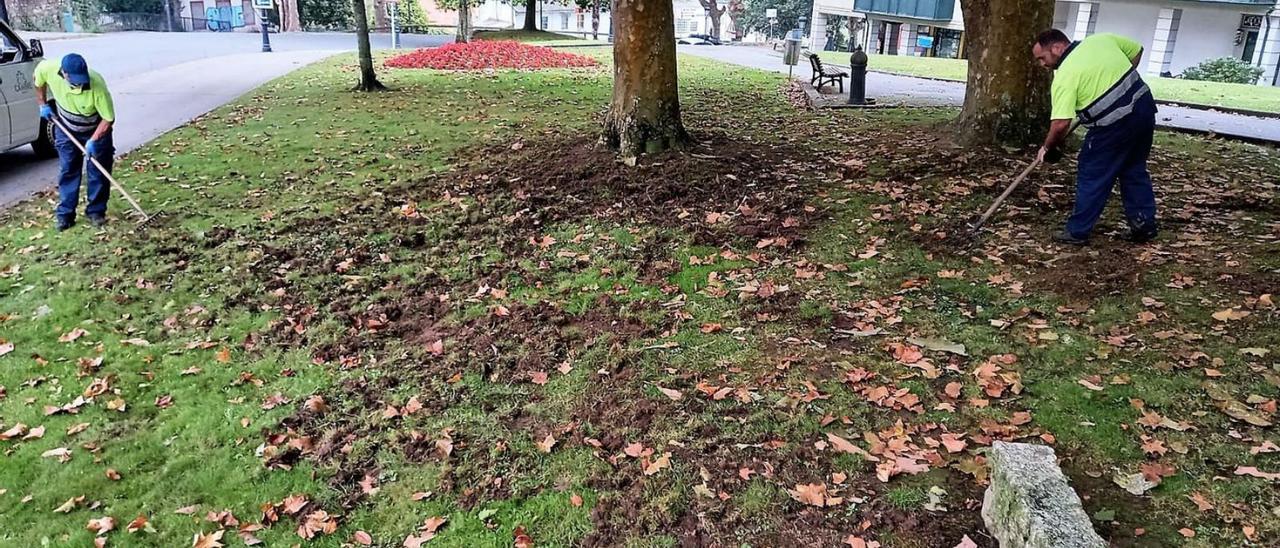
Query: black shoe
x,y
64,223
1133,236
1065,237
98,220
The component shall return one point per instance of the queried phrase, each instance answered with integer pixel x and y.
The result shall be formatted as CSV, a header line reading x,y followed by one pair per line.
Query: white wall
x,y
1206,32
1136,21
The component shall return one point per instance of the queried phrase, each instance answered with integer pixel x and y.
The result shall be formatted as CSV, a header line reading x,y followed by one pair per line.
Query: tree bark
x,y
644,114
464,22
290,21
1006,99
368,79
715,10
380,12
595,19
531,15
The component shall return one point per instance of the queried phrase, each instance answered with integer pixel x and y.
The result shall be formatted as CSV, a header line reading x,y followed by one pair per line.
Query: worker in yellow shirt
x,y
1097,80
82,102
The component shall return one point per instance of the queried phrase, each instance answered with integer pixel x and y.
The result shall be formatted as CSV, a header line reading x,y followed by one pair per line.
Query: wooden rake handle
x,y
1007,191
105,173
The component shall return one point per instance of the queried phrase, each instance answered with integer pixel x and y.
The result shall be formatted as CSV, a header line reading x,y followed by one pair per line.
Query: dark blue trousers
x,y
71,164
1117,151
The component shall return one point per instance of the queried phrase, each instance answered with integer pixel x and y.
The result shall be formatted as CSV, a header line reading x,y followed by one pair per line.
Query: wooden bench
x,y
823,74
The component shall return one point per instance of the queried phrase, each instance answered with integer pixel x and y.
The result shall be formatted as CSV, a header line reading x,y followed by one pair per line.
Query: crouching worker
x,y
81,109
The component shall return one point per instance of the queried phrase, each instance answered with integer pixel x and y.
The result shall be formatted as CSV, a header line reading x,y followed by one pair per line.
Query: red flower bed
x,y
489,54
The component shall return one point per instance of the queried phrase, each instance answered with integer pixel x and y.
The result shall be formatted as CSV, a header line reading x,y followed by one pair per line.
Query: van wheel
x,y
44,145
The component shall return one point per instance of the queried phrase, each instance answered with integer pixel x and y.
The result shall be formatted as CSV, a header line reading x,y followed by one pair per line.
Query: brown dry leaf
x,y
13,432
546,444
1200,501
967,542
317,522
436,347
223,355
77,428
1253,471
69,505
1242,412
576,500
840,444
211,540
538,377
316,404
72,335
34,433
814,494
953,443
859,542
1189,533
102,525
658,464
61,453
138,524
362,538
416,541
634,450
1230,314
412,406
293,504
112,474
674,395
521,538
186,510
952,390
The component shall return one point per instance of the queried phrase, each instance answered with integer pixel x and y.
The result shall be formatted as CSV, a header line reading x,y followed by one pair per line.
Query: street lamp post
x,y
263,6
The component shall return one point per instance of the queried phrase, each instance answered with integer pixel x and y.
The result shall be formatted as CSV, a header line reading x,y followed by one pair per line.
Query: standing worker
x,y
83,104
1096,79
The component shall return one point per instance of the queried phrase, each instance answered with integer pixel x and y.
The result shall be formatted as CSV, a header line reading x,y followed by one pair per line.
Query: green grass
x,y
526,36
287,246
1243,96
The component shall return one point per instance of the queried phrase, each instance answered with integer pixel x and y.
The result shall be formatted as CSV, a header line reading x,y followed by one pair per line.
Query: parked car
x,y
697,40
20,121
707,37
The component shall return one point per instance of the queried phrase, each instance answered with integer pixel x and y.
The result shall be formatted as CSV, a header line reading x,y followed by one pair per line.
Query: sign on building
x,y
263,4
771,13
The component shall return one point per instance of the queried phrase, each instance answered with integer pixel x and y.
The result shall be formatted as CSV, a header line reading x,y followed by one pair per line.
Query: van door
x,y
19,90
6,135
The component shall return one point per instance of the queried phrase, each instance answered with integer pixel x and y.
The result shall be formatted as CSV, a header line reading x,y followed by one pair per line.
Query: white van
x,y
20,122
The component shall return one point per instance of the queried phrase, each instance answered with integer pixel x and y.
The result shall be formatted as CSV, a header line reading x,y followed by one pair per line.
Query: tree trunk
x,y
531,15
715,11
595,19
644,114
1006,99
290,21
368,80
464,22
380,11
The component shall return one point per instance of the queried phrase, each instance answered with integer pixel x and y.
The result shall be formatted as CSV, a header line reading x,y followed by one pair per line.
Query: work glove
x,y
91,148
46,112
1053,155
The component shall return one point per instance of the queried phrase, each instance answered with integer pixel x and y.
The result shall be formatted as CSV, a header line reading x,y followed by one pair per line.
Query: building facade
x,y
1175,34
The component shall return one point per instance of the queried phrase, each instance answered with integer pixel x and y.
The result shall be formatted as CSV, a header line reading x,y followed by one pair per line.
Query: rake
x,y
114,184
976,226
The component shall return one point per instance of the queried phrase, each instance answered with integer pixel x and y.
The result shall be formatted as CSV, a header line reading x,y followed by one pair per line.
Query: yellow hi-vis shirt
x,y
95,100
1088,69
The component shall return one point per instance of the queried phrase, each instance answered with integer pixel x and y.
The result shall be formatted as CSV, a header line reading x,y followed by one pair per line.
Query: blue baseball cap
x,y
75,69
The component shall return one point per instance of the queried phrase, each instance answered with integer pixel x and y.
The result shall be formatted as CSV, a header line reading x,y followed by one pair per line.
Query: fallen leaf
x,y
1200,501
967,542
61,453
211,540
34,433
675,395
521,538
69,505
72,335
102,525
362,538
223,355
939,345
576,500
1253,471
658,464
840,444
814,494
859,542
538,377
546,444
138,524
1135,484
1189,533
1230,314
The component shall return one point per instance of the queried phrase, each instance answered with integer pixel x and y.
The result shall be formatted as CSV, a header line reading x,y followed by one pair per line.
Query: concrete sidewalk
x,y
907,90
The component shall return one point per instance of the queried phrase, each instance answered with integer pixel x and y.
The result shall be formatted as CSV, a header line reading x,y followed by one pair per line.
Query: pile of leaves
x,y
489,54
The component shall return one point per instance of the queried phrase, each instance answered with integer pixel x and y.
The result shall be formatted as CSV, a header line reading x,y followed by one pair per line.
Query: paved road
x,y
162,80
892,88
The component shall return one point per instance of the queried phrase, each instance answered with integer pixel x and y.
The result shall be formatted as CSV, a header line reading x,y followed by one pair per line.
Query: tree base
x,y
631,138
370,85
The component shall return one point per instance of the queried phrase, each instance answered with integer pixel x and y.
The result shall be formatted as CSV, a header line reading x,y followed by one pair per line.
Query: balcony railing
x,y
933,10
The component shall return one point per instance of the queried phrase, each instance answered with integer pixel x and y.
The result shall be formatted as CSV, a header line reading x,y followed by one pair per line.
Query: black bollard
x,y
858,77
